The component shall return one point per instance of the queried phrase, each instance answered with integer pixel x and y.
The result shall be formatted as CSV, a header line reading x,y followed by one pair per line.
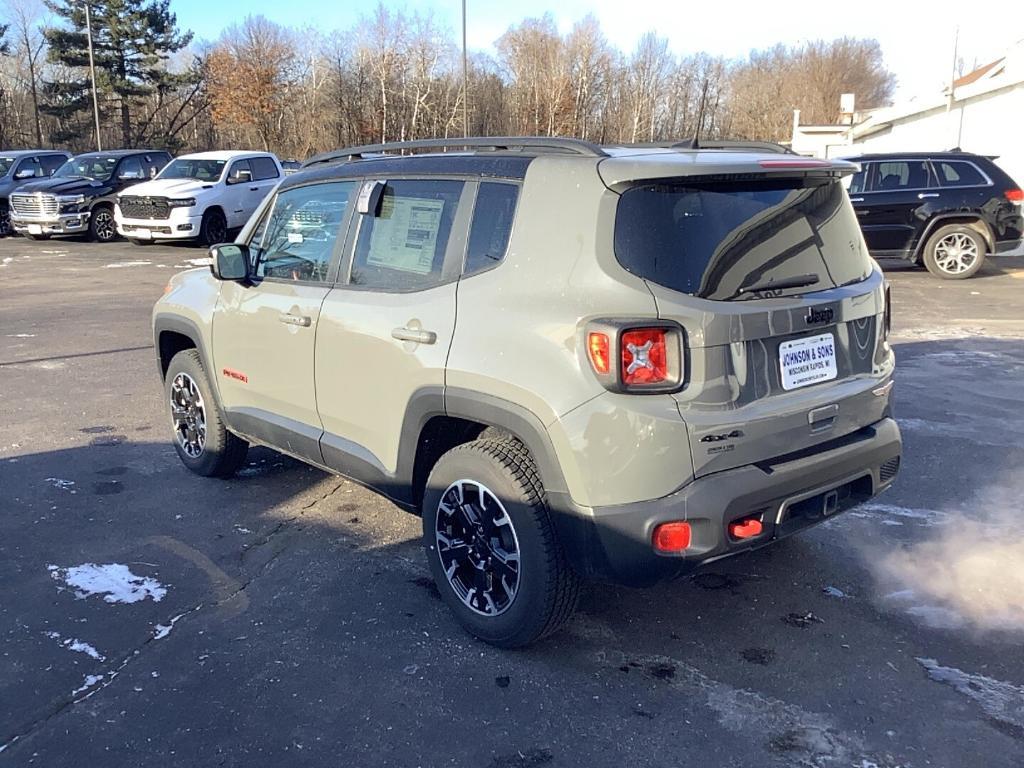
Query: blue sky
x,y
917,37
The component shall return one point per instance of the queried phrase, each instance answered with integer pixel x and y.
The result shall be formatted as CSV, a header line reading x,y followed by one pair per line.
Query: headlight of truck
x,y
70,203
185,202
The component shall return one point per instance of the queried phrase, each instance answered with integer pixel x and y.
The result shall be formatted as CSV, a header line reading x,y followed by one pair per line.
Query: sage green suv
x,y
574,362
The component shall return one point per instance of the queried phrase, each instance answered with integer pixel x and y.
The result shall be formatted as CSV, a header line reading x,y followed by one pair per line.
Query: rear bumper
x,y
64,224
787,495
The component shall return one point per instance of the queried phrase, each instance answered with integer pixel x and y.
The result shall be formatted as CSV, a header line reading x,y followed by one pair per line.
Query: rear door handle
x,y
416,335
923,195
303,321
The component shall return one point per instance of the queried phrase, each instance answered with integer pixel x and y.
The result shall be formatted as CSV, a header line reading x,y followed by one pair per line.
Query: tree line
x,y
393,76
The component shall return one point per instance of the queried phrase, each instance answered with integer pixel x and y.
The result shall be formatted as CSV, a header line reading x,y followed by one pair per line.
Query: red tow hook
x,y
747,528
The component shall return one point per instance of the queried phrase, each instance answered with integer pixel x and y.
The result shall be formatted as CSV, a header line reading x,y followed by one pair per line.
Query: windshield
x,y
5,165
714,240
95,167
191,168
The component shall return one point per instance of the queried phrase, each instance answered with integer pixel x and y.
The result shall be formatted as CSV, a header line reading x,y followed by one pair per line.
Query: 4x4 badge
x,y
816,316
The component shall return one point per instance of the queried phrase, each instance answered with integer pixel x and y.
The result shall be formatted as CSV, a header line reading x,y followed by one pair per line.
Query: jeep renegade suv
x,y
573,361
945,209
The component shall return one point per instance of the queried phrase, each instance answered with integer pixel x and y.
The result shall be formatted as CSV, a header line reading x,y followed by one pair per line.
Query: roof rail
x,y
728,144
497,143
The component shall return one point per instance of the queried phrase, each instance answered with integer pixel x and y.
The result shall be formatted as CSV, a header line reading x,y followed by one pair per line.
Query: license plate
x,y
807,361
35,229
143,234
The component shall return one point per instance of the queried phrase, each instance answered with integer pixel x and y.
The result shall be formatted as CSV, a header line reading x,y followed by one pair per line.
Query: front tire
x,y
201,439
5,221
102,228
214,228
491,546
954,252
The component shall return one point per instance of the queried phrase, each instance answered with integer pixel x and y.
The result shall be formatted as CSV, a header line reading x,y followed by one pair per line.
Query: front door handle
x,y
254,189
416,335
923,195
303,321
856,199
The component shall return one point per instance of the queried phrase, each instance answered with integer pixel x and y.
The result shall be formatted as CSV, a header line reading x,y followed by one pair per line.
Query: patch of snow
x,y
1000,700
21,335
61,484
160,631
834,592
8,259
203,262
122,264
76,645
114,581
89,682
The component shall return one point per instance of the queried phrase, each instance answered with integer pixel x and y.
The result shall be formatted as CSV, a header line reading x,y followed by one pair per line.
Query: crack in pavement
x,y
204,563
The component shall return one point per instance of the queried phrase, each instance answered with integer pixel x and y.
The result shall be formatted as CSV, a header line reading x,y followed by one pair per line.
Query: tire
x,y
218,453
496,475
102,228
214,228
5,221
954,252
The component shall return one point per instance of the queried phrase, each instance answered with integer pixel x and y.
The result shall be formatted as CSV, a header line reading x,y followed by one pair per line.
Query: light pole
x,y
465,77
92,77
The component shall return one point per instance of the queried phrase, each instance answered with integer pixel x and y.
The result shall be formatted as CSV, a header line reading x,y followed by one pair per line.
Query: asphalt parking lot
x,y
286,617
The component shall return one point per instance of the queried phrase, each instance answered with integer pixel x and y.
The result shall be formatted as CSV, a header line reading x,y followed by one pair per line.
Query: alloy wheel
x,y
956,253
216,230
478,547
188,415
104,225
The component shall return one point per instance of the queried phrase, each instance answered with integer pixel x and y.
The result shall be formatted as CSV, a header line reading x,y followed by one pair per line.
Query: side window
x,y
901,174
28,164
492,225
153,164
954,174
858,182
130,168
402,248
238,172
51,163
263,168
296,241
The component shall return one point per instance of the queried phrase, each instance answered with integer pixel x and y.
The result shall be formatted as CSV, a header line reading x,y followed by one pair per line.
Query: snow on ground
x,y
74,644
114,581
1001,701
122,264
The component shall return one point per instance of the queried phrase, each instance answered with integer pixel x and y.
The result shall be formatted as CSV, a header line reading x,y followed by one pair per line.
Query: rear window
x,y
956,174
712,240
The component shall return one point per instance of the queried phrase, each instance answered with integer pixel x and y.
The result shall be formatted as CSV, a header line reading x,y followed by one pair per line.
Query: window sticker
x,y
404,236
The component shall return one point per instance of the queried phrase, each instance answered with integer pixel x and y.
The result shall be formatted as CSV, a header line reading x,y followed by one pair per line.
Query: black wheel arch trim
x,y
942,219
166,322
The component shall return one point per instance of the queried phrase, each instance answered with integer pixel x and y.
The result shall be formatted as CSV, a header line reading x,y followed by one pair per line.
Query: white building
x,y
982,113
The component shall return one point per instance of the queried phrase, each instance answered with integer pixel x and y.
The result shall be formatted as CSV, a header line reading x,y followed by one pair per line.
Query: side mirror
x,y
25,173
230,261
241,176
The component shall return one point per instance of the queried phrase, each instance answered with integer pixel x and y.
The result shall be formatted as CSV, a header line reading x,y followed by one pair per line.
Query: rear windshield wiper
x,y
771,284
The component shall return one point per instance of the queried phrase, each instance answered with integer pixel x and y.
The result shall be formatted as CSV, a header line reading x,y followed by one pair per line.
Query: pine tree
x,y
132,43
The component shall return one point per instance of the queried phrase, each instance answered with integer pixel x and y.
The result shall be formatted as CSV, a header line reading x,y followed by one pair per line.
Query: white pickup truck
x,y
200,196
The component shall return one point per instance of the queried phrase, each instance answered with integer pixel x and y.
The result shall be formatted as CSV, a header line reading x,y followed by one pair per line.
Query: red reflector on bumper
x,y
745,529
671,537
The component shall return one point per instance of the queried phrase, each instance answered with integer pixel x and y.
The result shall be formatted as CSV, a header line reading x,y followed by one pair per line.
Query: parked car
x,y
17,167
573,361
79,197
197,196
947,210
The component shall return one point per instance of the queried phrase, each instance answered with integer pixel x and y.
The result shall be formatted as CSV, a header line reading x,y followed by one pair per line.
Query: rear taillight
x,y
1015,195
636,356
644,359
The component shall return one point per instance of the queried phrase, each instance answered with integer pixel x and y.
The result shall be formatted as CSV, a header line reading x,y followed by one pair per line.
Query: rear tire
x,y
487,498
214,228
201,439
102,228
954,252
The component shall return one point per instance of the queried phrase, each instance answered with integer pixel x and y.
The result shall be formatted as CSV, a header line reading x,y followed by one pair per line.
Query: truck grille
x,y
35,205
134,207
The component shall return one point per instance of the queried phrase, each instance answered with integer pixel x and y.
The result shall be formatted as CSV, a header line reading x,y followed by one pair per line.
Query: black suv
x,y
945,209
18,167
80,196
